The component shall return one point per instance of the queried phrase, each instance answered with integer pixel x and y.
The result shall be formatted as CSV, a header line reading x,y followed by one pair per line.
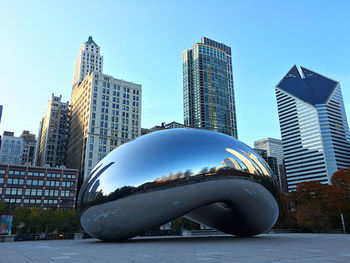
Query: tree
x,y
3,210
286,219
21,220
35,221
308,192
181,223
312,205
311,215
341,184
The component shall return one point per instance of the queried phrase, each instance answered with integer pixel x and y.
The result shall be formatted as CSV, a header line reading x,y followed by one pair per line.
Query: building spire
x,y
90,41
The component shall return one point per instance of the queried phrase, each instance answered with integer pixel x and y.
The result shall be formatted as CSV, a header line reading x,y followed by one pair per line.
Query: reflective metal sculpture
x,y
208,177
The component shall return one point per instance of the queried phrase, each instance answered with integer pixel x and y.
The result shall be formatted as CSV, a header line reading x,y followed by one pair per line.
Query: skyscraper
x,y
105,112
89,59
53,133
314,127
208,92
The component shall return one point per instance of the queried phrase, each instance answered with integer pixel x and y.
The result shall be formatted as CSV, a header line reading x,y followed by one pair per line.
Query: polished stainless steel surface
x,y
209,177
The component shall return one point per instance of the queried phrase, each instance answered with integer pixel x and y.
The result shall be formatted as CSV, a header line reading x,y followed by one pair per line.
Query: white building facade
x,y
105,113
314,127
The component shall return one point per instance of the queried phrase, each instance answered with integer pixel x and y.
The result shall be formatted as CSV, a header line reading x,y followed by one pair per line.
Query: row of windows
x,y
37,192
15,181
29,201
30,173
25,201
57,184
125,96
115,87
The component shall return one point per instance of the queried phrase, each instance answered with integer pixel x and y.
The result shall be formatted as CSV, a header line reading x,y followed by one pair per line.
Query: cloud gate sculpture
x,y
208,177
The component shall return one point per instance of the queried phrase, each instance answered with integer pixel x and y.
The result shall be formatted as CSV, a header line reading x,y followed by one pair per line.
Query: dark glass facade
x,y
208,91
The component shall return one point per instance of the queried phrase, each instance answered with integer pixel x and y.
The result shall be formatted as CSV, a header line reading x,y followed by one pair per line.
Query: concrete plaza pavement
x,y
286,248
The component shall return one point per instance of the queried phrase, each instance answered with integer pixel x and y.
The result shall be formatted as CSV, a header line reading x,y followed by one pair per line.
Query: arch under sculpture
x,y
208,177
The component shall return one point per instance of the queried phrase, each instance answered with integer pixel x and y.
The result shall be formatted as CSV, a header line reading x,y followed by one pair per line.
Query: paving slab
x,y
286,248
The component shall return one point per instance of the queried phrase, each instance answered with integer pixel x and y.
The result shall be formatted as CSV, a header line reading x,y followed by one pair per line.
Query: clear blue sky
x,y
142,42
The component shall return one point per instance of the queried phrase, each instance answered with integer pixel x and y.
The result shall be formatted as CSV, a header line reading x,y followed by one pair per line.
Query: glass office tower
x,y
314,127
208,92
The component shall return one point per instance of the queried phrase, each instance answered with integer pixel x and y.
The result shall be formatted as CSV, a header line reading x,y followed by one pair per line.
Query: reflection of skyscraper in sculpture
x,y
232,163
249,160
208,92
314,127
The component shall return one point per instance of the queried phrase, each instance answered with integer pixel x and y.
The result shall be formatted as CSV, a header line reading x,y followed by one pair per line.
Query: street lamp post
x,y
343,223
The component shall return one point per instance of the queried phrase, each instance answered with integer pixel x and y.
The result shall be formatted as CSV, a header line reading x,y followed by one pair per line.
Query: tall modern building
x,y
314,127
11,149
53,133
89,59
208,92
29,146
105,113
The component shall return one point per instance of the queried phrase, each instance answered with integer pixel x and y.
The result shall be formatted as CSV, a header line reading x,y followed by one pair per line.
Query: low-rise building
x,y
44,187
163,126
